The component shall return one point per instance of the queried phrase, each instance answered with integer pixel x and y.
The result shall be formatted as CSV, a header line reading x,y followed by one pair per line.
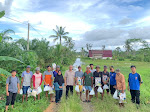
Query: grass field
x,y
109,104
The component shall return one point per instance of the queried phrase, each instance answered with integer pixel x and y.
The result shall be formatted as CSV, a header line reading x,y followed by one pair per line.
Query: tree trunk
x,y
60,40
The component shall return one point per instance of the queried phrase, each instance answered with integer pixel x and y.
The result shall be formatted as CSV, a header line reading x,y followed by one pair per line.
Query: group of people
x,y
114,80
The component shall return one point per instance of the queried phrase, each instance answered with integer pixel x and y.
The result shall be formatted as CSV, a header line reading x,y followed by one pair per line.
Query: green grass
x,y
72,104
111,105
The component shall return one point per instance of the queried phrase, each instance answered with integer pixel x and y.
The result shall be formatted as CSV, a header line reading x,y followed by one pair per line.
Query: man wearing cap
x,y
56,71
112,80
88,83
79,77
48,80
69,80
92,68
97,75
134,82
26,81
120,84
105,80
37,80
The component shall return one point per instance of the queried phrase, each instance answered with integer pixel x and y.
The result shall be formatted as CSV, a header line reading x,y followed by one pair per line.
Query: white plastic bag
x,y
84,88
92,92
105,87
100,89
34,92
51,91
47,88
115,95
39,90
77,88
21,91
122,96
29,91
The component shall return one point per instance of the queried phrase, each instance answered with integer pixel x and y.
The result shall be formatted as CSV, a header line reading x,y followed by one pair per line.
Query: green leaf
x,y
2,71
7,58
2,14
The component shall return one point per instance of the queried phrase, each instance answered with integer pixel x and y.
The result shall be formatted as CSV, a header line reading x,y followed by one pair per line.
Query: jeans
x,y
25,89
67,90
11,98
135,95
58,95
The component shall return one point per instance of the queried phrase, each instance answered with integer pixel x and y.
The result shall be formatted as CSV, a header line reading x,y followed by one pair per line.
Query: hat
x,y
57,66
97,66
88,66
37,68
105,66
117,71
133,66
28,66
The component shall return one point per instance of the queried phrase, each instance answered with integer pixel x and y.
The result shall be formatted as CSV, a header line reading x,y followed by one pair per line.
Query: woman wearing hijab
x,y
58,83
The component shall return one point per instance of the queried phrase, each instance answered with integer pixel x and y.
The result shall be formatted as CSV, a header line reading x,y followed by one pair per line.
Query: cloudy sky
x,y
99,22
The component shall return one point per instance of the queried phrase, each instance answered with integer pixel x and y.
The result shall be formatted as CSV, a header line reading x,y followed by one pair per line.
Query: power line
x,y
25,24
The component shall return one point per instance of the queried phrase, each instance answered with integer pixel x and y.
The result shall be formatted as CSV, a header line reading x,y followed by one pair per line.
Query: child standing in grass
x,y
88,83
12,87
37,80
48,80
105,80
26,82
120,85
79,78
134,82
58,83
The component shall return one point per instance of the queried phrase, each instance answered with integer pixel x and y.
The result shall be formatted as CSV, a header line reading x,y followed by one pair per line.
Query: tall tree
x,y
89,46
69,43
103,47
60,34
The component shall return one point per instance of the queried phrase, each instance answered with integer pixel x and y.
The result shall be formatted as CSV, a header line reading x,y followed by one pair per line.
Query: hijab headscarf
x,y
59,79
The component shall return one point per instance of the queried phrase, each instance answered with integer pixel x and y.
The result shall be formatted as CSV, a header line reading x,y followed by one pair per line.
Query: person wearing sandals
x,y
88,83
58,83
120,85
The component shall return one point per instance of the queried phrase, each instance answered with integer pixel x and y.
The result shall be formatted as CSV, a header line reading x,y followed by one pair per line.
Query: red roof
x,y
105,53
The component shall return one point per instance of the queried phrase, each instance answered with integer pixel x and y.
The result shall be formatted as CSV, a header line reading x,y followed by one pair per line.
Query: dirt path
x,y
87,106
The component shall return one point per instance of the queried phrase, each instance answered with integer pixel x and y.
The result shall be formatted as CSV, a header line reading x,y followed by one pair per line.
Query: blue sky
x,y
99,22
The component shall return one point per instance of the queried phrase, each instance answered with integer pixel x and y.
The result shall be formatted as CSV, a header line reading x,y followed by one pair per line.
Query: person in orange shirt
x,y
48,80
120,84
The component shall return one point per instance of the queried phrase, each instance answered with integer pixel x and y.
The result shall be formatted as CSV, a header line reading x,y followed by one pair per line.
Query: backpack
x,y
10,79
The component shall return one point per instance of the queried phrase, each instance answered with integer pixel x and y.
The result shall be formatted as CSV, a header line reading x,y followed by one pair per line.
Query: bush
x,y
121,59
136,58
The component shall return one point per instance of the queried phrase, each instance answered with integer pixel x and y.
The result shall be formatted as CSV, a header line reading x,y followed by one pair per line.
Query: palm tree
x,y
4,35
69,43
103,47
60,34
89,46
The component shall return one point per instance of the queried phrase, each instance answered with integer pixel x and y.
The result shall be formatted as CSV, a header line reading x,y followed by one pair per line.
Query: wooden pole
x,y
28,37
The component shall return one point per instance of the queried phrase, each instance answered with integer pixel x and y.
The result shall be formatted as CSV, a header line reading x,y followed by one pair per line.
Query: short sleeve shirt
x,y
96,74
88,79
120,81
79,75
93,70
105,76
12,87
70,75
48,77
27,78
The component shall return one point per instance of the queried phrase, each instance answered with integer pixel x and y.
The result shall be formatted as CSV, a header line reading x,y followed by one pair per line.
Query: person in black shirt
x,y
97,75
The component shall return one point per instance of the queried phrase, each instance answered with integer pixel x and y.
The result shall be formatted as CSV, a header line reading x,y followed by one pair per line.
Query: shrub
x,y
121,59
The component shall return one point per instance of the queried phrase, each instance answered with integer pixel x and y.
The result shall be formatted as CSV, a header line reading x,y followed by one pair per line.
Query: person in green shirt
x,y
88,83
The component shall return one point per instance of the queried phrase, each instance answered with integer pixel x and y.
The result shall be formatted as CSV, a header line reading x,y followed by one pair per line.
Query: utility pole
x,y
28,37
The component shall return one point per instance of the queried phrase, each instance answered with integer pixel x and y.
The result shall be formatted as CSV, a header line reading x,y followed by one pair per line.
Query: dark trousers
x,y
112,89
58,95
11,98
135,95
67,90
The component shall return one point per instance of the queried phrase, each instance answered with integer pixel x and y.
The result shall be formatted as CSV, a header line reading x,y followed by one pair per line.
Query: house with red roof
x,y
103,54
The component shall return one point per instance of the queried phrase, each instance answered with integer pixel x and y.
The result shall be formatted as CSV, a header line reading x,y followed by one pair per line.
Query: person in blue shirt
x,y
112,80
56,71
134,82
